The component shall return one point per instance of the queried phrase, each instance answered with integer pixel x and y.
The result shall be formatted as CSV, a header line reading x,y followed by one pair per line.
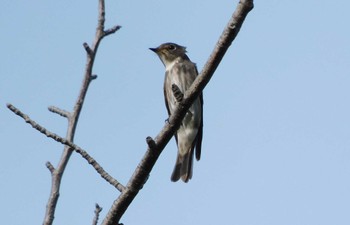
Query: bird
x,y
179,70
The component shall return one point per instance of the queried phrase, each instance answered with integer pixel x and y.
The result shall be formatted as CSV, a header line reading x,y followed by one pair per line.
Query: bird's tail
x,y
183,167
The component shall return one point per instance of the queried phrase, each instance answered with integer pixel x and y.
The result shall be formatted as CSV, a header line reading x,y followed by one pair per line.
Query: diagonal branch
x,y
73,146
155,148
59,111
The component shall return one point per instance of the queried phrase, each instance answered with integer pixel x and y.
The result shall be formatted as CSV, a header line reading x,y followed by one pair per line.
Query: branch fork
x,y
73,117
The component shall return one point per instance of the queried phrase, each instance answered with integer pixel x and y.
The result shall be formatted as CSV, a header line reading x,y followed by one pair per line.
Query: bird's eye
x,y
171,47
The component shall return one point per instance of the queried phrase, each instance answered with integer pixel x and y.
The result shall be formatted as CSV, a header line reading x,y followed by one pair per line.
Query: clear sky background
x,y
276,147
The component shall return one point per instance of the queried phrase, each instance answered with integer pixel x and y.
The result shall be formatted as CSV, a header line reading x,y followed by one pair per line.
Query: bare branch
x,y
88,49
31,122
50,167
72,124
149,159
151,143
59,111
100,30
156,146
101,16
111,30
72,146
93,77
98,209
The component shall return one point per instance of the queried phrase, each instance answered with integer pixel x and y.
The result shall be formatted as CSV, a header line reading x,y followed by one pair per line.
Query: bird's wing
x,y
168,91
200,130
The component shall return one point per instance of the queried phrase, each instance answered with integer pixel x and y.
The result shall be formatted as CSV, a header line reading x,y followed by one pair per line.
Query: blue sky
x,y
276,146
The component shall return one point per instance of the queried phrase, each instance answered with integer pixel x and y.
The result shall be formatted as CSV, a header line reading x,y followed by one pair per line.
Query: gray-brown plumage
x,y
181,71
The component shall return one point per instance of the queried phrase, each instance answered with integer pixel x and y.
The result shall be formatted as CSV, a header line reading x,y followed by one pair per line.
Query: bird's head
x,y
168,52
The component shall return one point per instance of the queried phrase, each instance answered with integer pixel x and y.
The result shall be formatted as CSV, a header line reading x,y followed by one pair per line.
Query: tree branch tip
x,y
93,77
150,142
250,4
116,27
59,111
10,106
97,211
97,208
87,48
50,167
15,110
112,30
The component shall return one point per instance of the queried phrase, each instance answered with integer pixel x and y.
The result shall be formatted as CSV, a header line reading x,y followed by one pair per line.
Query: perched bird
x,y
181,71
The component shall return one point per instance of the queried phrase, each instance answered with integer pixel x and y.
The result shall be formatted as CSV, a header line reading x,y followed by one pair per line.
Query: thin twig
x,y
50,167
151,143
72,146
57,173
88,49
111,30
93,77
98,209
59,111
149,159
73,120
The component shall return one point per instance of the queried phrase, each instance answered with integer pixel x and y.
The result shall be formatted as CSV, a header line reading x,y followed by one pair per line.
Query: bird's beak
x,y
154,49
